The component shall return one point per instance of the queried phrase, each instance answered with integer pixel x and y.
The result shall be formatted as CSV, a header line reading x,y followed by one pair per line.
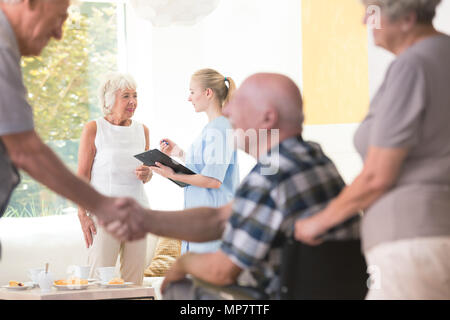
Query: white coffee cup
x,y
45,280
33,274
81,272
105,273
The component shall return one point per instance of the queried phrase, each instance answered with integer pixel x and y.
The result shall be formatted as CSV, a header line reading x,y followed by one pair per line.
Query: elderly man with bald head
x,y
266,115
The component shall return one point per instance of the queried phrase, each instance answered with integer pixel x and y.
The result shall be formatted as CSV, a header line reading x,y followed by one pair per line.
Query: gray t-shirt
x,y
16,114
412,110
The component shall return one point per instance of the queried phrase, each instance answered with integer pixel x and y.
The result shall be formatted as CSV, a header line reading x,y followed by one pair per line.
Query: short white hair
x,y
110,85
394,9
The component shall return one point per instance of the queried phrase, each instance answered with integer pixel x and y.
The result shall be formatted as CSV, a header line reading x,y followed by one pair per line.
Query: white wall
x,y
336,141
442,20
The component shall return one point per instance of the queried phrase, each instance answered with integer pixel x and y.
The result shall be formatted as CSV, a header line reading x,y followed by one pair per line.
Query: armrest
x,y
231,292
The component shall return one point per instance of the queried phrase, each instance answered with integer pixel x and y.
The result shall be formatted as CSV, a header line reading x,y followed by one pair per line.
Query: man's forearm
x,y
30,154
212,267
196,224
50,171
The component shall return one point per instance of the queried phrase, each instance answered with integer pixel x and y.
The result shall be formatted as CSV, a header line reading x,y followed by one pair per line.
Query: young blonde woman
x,y
212,155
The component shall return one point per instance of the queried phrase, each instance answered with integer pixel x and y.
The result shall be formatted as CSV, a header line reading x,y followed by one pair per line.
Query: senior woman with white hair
x,y
106,159
404,185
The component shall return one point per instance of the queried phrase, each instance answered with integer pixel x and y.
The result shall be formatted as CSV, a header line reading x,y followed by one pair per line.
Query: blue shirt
x,y
213,155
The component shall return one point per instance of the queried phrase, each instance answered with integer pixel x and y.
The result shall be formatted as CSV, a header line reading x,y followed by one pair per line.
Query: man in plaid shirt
x,y
292,179
266,206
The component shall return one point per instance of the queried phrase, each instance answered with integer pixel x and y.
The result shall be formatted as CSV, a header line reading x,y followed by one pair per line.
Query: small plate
x,y
27,285
124,285
71,286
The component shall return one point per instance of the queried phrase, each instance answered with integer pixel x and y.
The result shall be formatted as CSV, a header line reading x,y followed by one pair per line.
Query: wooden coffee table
x,y
94,292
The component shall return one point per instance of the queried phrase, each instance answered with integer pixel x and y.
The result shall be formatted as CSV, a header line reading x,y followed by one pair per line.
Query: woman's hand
x,y
88,227
162,170
309,230
167,146
170,148
144,173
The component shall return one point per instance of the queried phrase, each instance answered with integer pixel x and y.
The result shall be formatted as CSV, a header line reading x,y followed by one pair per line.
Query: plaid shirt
x,y
266,207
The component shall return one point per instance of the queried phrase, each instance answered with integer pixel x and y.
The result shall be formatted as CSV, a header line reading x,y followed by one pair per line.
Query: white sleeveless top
x,y
113,170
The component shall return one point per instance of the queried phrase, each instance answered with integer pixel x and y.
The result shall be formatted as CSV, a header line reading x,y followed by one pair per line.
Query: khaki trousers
x,y
412,269
106,249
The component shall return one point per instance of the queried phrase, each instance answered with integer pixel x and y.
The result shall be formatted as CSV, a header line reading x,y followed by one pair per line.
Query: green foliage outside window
x,y
62,89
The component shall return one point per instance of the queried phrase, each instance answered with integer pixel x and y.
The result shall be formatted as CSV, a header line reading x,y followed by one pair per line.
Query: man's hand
x,y
129,222
175,273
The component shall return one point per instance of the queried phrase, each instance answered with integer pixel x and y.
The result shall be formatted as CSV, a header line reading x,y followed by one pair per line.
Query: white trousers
x,y
412,269
106,249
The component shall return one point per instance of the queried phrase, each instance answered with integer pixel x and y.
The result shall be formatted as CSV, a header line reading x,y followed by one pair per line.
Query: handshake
x,y
123,218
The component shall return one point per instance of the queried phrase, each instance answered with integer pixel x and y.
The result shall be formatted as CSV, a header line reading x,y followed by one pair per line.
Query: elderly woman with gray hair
x,y
106,159
404,186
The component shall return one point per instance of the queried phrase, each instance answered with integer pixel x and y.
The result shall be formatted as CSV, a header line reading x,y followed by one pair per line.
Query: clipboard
x,y
151,156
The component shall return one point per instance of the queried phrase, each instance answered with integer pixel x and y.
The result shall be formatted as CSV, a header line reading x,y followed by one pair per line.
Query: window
x,y
62,89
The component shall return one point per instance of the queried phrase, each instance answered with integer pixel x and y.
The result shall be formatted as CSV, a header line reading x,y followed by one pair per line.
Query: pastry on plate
x,y
71,281
61,282
13,283
78,281
116,281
